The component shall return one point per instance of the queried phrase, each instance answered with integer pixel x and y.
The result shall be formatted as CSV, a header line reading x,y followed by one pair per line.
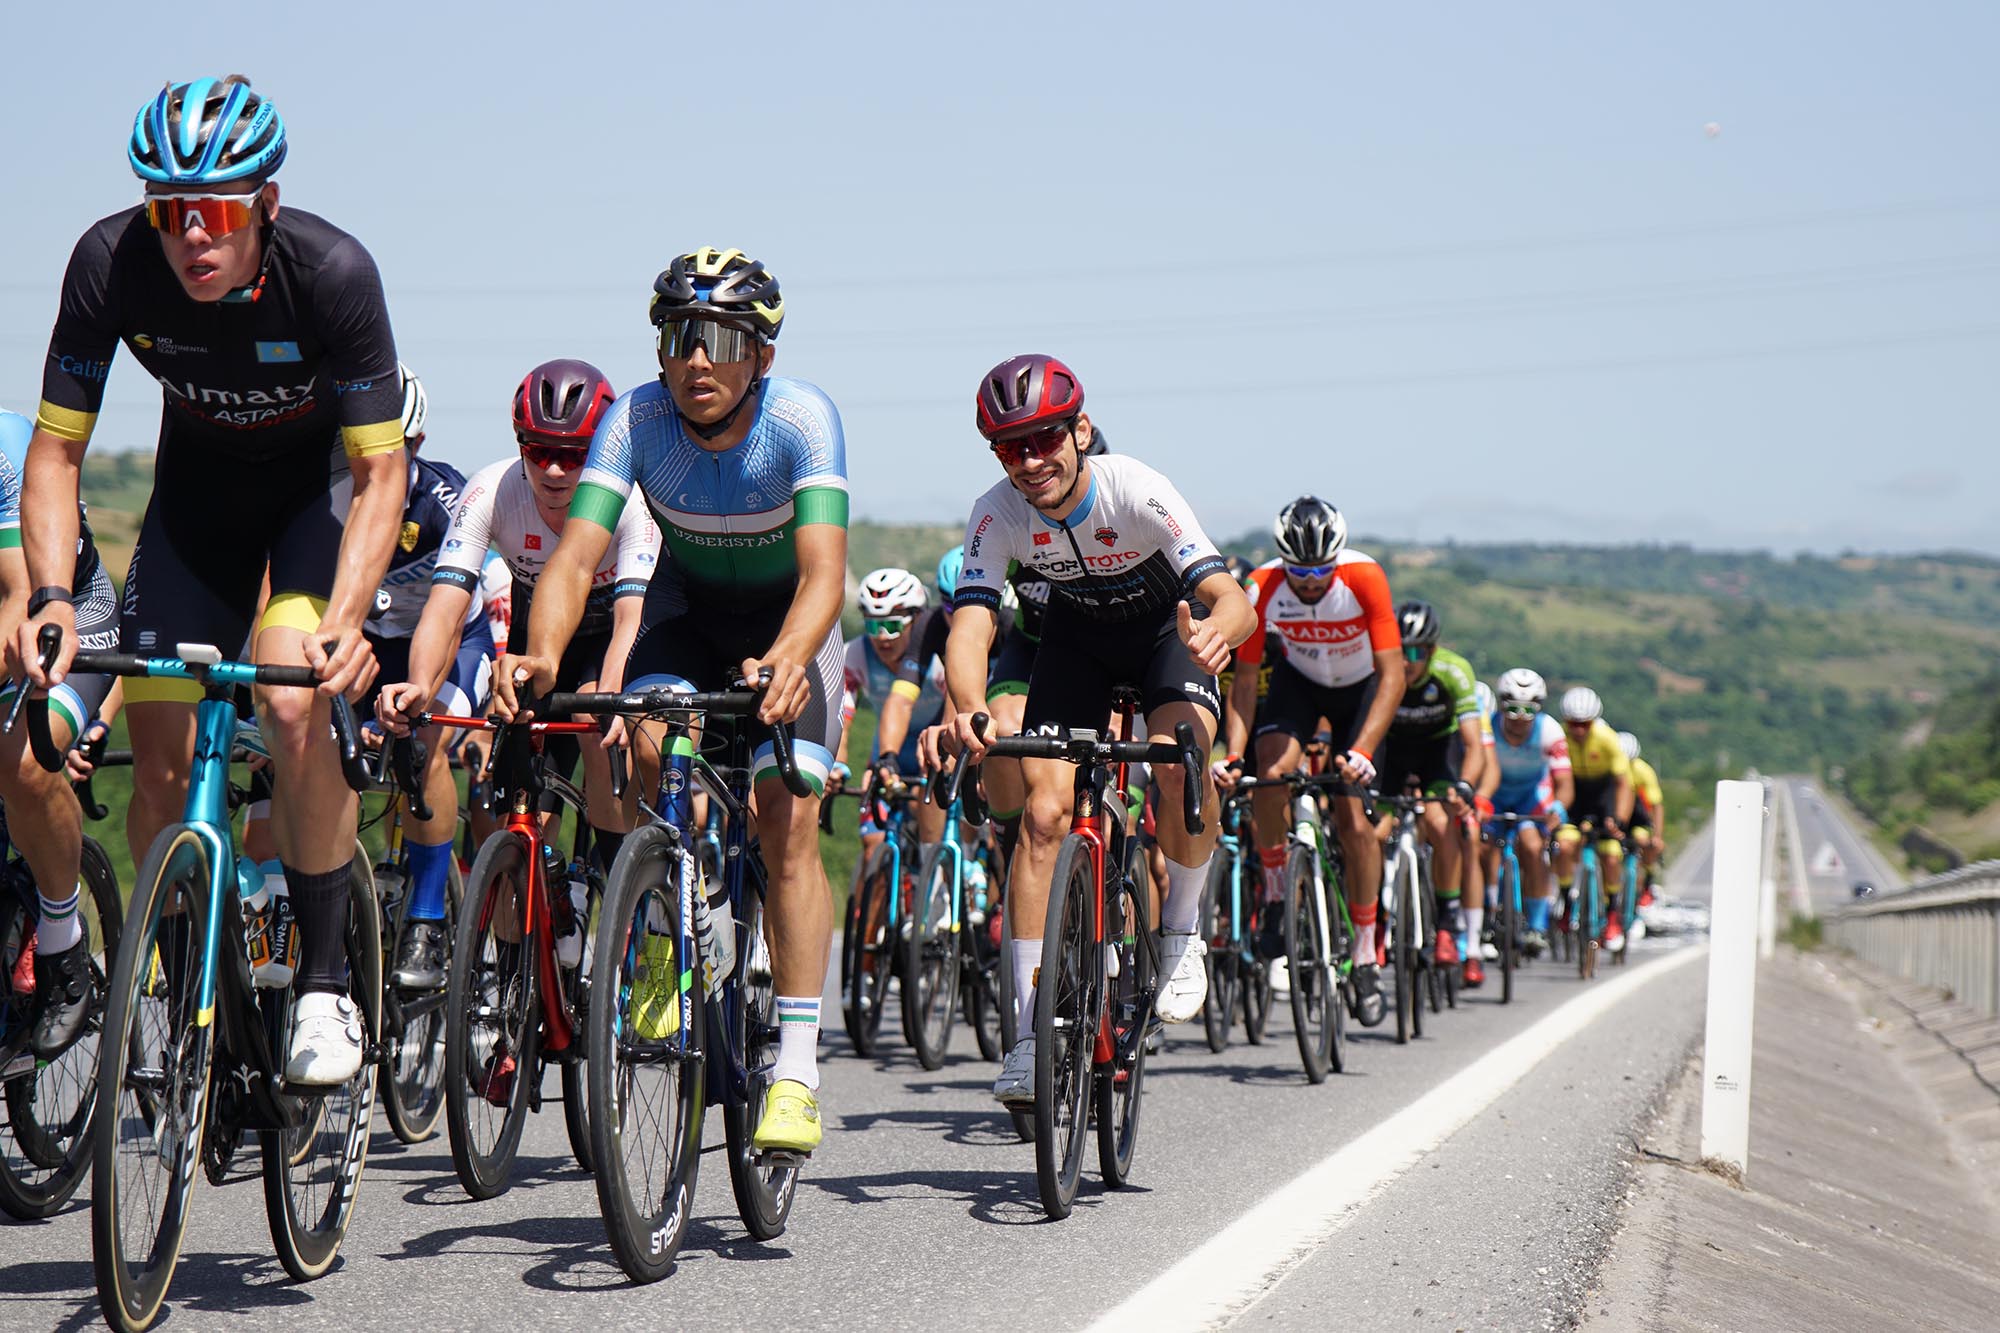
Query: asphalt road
x,y
921,1207
1836,855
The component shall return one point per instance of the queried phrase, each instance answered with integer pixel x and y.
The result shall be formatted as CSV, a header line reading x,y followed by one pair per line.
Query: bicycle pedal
x,y
782,1159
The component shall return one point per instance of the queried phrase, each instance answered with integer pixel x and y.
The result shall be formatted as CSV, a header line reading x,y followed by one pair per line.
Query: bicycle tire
x,y
413,1100
1315,1007
979,970
1628,898
575,982
45,1150
500,978
312,1175
1408,1022
1254,983
1067,1001
1020,1117
931,958
645,1180
146,1019
1584,915
1509,925
868,956
1218,1007
1120,1089
765,1185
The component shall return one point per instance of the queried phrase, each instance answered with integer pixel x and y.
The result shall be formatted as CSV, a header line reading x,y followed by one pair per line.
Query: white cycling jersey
x,y
1130,552
499,511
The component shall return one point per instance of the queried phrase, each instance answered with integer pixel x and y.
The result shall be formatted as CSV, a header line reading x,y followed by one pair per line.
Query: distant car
x,y
1675,916
1863,889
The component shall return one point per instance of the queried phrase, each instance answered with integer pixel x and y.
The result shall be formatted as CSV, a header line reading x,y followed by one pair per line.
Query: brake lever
x,y
1193,773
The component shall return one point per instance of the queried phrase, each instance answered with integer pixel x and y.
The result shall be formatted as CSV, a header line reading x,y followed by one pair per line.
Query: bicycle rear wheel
x,y
979,970
867,955
312,1173
493,1019
930,966
45,1143
1583,915
1508,925
1316,1010
575,983
1067,1004
1254,984
1022,1118
647,1084
152,1094
1409,1022
414,1097
765,1184
1129,931
1218,1007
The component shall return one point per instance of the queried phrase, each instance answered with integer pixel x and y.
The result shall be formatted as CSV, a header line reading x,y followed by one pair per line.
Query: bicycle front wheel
x,y
647,1081
312,1171
1402,904
930,967
45,1143
764,1184
1067,1002
1218,1007
1021,1117
1130,938
414,1098
493,1019
575,983
152,1093
1316,1010
1509,924
867,955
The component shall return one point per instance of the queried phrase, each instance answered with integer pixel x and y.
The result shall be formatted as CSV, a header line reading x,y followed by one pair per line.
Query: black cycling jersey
x,y
310,359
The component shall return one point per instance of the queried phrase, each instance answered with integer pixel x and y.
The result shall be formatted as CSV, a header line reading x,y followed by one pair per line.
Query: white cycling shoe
x,y
1016,1084
1186,983
326,1041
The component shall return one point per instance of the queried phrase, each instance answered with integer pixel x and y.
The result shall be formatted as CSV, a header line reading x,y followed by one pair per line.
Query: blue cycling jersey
x,y
15,432
727,517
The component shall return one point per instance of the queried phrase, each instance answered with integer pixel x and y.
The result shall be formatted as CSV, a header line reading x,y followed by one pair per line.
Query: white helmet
x,y
886,592
1631,744
1581,704
1484,693
416,406
1522,688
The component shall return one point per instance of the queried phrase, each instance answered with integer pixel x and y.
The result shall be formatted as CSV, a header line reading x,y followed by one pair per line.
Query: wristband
x,y
41,597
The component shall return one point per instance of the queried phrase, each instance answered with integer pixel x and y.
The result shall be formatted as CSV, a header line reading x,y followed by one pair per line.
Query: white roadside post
x,y
1767,895
1732,978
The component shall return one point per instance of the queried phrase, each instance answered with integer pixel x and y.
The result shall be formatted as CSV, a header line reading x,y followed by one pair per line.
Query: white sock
x,y
59,927
1364,943
1475,921
1181,908
798,1040
1027,957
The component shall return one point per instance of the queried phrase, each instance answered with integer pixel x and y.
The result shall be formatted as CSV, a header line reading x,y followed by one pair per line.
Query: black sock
x,y
319,902
171,942
1010,834
604,845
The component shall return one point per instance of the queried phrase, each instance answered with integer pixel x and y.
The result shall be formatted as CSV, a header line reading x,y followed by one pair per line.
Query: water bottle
x,y
975,890
569,943
268,924
562,916
714,928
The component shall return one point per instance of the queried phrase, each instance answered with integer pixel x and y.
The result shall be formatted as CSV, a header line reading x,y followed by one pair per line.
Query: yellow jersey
x,y
1647,783
1600,758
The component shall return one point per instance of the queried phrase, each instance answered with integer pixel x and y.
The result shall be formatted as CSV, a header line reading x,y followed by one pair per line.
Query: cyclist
x,y
518,507
1604,793
1120,610
1327,608
1649,820
281,448
434,491
1531,755
746,473
886,667
42,816
1434,745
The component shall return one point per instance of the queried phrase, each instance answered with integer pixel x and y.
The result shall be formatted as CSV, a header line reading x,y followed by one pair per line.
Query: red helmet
x,y
1027,391
561,402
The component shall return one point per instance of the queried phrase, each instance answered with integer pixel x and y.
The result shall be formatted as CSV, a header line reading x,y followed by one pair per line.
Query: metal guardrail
x,y
1943,931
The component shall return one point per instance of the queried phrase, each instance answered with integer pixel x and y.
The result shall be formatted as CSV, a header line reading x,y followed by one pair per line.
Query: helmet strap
x,y
248,295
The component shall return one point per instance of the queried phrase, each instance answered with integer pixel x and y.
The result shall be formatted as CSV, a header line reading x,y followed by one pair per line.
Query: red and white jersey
x,y
1332,641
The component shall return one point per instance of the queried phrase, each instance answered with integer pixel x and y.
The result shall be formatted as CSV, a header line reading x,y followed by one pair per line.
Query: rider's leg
x,y
1277,753
1006,790
1536,894
1187,853
1440,833
798,922
162,733
1472,882
1045,820
1361,853
46,824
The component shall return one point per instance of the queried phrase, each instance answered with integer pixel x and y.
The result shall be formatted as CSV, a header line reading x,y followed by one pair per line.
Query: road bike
x,y
193,1052
1503,830
1093,1005
874,941
1318,932
1407,920
689,1016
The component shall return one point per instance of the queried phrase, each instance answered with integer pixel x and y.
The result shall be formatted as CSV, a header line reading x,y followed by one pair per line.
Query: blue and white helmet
x,y
950,565
207,132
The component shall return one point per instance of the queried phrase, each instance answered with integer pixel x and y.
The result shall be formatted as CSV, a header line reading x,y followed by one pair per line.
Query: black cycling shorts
x,y
1641,816
703,647
80,697
1424,760
1013,663
1081,662
1294,705
1596,798
213,525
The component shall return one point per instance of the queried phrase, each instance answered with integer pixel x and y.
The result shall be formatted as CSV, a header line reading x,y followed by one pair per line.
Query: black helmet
x,y
1419,621
1309,531
722,283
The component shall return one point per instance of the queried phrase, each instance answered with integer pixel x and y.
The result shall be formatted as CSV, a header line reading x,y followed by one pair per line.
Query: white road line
x,y
1237,1266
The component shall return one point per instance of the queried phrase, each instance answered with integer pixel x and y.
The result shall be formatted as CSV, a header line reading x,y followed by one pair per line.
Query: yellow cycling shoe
x,y
656,993
791,1119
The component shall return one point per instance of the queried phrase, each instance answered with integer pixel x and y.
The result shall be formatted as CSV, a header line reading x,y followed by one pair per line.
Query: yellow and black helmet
x,y
721,283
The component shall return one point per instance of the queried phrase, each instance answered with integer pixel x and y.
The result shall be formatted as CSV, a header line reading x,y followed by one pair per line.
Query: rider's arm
x,y
625,622
49,521
822,552
1489,772
435,644
1229,611
374,516
1388,693
1624,800
965,655
1472,768
1242,704
564,584
894,724
14,590
1563,782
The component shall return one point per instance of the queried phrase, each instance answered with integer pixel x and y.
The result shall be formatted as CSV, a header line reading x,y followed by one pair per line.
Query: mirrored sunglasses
x,y
723,343
216,214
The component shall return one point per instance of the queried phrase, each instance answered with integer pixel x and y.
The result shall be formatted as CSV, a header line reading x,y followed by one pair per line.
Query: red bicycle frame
x,y
1092,822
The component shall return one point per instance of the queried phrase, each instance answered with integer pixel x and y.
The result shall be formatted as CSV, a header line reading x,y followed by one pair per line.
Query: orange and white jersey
x,y
1332,641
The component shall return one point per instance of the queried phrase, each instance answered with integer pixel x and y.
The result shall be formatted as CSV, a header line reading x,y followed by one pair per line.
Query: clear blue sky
x,y
1465,270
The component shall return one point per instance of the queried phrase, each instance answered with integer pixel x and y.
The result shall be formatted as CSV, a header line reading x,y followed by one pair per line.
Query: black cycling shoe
x,y
62,1001
1368,1007
419,957
1271,931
